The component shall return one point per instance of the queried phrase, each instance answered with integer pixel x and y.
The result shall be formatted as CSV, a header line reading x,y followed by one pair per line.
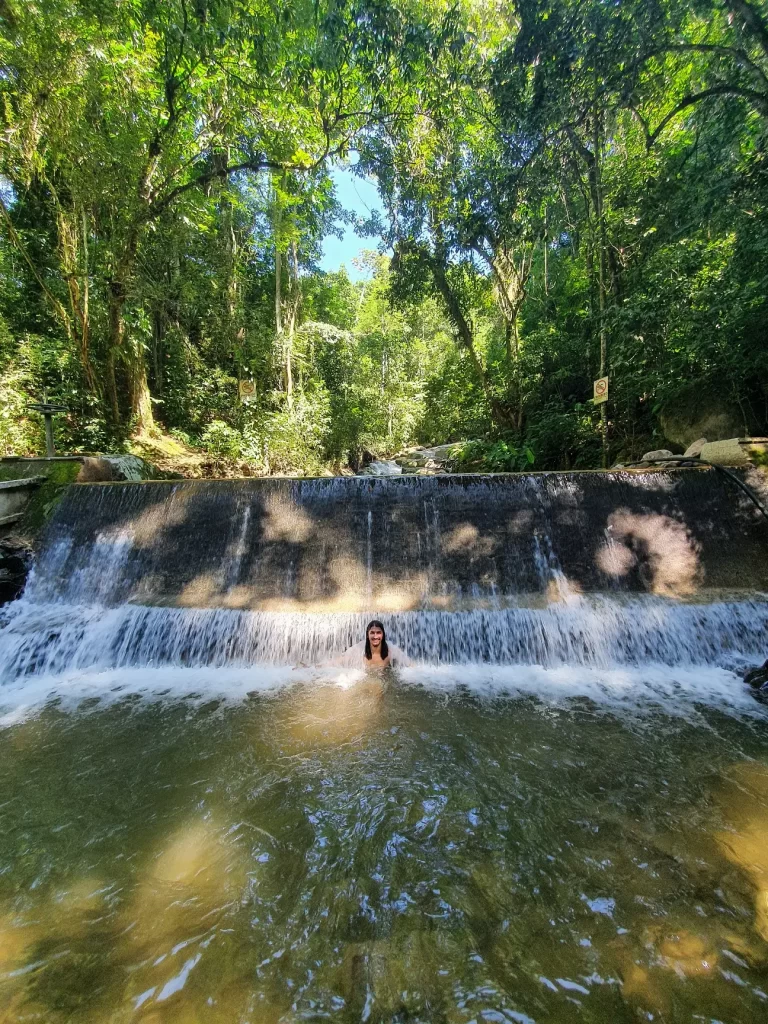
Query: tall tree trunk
x,y
276,230
114,405
138,388
511,275
158,334
593,162
292,313
134,360
286,304
116,301
466,339
235,329
132,356
73,254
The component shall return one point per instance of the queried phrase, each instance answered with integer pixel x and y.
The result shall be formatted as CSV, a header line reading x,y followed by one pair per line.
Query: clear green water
x,y
382,853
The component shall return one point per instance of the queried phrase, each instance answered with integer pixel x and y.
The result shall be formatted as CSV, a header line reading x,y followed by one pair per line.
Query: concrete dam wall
x,y
399,544
546,569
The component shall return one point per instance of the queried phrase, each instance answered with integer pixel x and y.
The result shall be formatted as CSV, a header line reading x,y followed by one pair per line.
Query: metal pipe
x,y
695,460
49,449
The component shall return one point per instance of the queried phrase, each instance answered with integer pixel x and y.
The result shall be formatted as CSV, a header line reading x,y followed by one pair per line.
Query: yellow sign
x,y
601,391
247,390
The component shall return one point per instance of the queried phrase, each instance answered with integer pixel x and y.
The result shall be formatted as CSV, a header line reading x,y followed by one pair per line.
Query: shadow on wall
x,y
396,545
655,550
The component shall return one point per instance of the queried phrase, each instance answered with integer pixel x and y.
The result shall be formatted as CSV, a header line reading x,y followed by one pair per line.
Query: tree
x,y
127,111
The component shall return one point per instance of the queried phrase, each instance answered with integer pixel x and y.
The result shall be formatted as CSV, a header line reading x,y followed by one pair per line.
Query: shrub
x,y
500,456
291,440
221,441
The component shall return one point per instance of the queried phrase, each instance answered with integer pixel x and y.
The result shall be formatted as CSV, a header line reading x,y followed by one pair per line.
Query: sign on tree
x,y
601,391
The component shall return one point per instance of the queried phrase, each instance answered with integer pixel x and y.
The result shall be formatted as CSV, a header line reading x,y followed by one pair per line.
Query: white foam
x,y
674,690
40,638
678,690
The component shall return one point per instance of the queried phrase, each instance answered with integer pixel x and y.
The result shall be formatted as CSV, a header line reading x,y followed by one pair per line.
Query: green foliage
x,y
221,441
570,189
58,476
19,433
500,456
291,440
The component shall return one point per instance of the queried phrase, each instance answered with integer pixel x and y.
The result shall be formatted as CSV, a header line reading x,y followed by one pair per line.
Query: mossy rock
x,y
59,474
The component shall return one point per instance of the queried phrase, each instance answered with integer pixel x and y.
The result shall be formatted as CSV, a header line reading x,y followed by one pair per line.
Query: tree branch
x,y
740,56
759,99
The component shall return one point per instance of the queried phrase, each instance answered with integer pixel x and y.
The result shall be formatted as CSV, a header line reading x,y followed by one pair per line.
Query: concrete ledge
x,y
82,468
28,482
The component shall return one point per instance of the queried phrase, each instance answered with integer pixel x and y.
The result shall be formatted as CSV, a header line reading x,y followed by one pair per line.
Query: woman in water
x,y
373,652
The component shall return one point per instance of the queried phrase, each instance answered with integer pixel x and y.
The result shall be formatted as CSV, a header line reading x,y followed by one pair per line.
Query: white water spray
x,y
488,550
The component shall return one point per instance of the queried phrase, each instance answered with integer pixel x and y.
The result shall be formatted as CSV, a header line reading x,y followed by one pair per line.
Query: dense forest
x,y
571,189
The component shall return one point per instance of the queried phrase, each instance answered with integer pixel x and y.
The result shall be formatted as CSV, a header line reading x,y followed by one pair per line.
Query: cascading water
x,y
551,570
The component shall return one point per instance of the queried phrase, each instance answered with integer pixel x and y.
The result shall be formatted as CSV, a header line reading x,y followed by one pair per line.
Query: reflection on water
x,y
377,852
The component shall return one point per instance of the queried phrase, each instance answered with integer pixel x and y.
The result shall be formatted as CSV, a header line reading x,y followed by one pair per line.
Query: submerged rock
x,y
757,677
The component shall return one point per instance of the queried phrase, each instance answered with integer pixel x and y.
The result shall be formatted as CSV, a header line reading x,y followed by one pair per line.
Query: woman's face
x,y
375,635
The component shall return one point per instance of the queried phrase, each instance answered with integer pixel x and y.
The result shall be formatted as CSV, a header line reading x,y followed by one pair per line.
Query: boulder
x,y
15,563
660,453
737,451
693,451
427,461
695,415
131,467
94,470
103,468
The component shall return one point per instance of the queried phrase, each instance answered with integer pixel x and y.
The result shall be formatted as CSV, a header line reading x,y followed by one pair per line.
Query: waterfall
x,y
543,569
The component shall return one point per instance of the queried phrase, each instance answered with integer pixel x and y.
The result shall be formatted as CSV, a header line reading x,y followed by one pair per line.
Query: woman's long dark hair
x,y
384,648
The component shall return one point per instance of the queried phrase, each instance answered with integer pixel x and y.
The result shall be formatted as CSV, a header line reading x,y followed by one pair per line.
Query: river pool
x,y
396,850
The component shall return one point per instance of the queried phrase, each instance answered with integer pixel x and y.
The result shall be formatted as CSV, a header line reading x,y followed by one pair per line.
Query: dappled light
x,y
344,711
148,527
190,884
745,842
658,548
200,592
348,841
467,538
562,589
347,545
285,520
17,937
